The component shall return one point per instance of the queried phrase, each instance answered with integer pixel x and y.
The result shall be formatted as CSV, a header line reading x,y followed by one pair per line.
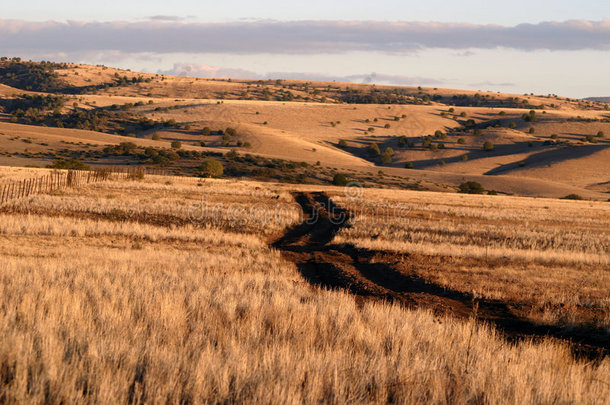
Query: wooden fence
x,y
58,179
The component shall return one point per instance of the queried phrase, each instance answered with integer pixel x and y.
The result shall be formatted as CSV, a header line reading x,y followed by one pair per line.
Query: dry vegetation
x,y
550,254
112,294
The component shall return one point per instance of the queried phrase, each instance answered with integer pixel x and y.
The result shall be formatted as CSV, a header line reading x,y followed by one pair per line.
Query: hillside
x,y
296,131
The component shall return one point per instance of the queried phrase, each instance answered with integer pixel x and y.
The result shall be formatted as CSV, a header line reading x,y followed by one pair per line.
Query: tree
x,y
488,146
339,180
373,150
211,168
230,131
176,144
471,187
600,134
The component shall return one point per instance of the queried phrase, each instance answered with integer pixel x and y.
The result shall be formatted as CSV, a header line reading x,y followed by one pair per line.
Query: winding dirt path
x,y
388,276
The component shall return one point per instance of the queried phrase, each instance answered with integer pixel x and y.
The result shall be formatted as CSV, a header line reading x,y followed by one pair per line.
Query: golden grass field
x,y
167,290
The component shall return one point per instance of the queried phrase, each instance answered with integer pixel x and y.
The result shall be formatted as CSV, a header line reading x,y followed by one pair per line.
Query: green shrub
x,y
471,187
156,137
373,150
211,168
461,141
339,180
176,144
488,146
342,143
554,136
532,130
600,134
464,158
68,164
206,131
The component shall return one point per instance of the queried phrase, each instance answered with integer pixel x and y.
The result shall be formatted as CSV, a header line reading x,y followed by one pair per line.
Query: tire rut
x,y
387,276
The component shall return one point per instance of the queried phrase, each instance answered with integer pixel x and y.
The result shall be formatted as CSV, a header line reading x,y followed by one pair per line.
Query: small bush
x,y
464,158
488,146
408,165
554,136
156,137
68,164
471,187
206,131
461,141
176,144
532,130
373,150
572,197
600,134
211,168
342,143
339,180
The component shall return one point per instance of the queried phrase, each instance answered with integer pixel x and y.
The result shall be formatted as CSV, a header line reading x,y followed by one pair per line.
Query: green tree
x,y
471,187
339,179
211,168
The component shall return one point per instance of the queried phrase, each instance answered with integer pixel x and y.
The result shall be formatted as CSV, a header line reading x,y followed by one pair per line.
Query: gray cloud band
x,y
297,37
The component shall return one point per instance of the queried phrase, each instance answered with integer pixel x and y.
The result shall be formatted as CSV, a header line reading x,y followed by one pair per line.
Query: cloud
x,y
171,18
165,35
202,70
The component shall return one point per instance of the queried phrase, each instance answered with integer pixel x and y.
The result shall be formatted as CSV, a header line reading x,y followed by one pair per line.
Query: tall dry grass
x,y
102,310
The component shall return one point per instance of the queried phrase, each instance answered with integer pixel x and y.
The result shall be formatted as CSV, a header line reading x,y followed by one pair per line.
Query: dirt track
x,y
380,275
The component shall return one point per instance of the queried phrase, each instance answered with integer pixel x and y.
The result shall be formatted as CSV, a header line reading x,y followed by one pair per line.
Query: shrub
x,y
442,163
201,143
156,137
572,197
530,117
488,146
230,131
554,136
590,138
512,125
408,165
600,134
206,131
461,141
471,187
339,180
373,149
387,126
464,158
211,168
68,164
532,130
342,143
176,144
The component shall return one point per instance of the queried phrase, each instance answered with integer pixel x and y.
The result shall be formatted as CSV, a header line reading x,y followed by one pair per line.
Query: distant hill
x,y
599,99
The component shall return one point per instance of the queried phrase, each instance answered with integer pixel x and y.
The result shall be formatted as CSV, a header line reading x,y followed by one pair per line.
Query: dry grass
x,y
552,254
98,309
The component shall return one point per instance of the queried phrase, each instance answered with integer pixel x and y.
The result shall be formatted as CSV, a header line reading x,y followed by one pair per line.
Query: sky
x,y
541,46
